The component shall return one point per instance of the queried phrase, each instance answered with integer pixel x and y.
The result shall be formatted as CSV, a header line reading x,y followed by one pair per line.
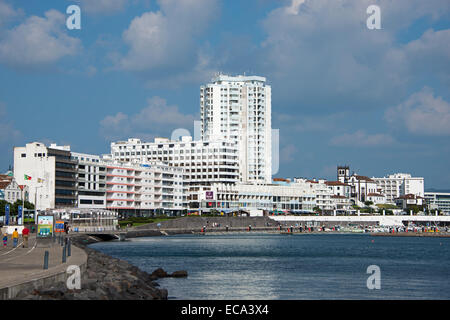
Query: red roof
x,y
338,197
363,178
4,184
335,183
410,196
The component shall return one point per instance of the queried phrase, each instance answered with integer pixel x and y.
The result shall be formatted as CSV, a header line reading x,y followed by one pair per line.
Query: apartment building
x,y
59,178
49,173
238,109
145,188
395,185
91,181
203,162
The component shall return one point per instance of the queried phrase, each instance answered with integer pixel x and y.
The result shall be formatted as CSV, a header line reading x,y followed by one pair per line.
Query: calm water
x,y
274,266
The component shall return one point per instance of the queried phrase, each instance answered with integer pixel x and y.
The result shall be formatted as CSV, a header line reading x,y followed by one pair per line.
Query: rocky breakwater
x,y
107,278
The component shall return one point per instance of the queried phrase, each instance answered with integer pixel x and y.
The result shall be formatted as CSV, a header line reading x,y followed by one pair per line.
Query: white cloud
x,y
320,51
422,113
102,6
8,13
164,44
155,119
38,41
362,139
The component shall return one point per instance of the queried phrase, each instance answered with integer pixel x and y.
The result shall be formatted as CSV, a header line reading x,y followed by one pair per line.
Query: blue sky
x,y
377,100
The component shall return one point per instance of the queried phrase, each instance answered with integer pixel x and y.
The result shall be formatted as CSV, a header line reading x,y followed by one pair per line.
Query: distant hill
x,y
437,190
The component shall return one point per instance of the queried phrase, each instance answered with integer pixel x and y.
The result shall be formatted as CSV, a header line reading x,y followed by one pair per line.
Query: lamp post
x,y
35,203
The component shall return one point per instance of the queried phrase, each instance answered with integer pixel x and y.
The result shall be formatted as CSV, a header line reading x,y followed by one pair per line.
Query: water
x,y
274,266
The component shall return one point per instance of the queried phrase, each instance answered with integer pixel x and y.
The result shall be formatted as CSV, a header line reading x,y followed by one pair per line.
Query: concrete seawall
x,y
198,222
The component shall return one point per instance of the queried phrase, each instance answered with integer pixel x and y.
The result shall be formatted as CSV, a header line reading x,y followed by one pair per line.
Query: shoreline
x,y
105,278
109,278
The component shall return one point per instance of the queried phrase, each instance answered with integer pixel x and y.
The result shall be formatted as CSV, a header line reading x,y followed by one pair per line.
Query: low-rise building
x,y
408,201
439,201
9,189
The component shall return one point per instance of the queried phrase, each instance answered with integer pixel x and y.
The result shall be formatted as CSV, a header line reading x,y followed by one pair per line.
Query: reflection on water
x,y
274,266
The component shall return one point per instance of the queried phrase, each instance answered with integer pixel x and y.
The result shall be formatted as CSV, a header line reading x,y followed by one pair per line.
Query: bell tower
x,y
343,173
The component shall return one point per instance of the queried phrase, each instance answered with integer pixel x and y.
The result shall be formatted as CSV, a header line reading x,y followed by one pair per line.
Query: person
x,y
15,237
5,240
25,234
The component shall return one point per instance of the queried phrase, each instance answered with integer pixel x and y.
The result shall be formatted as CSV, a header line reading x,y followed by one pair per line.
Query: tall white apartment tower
x,y
239,109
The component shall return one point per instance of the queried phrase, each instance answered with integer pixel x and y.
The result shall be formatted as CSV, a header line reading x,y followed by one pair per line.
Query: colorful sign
x,y
44,226
59,226
209,195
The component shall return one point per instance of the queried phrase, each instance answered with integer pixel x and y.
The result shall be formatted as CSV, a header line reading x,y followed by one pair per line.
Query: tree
x,y
14,207
368,203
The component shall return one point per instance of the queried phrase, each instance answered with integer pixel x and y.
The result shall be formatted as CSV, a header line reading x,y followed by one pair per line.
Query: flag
x,y
27,177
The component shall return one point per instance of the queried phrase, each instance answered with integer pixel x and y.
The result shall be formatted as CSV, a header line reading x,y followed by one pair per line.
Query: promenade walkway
x,y
22,268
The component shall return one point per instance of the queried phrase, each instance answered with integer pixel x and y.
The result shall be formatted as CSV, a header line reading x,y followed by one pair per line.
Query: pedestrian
x,y
15,237
25,234
5,240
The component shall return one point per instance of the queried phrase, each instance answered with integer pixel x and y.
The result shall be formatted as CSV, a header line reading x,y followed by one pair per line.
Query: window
x,y
23,155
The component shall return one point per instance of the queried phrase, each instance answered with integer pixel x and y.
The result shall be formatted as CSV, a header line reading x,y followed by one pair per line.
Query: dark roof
x,y
375,194
410,196
4,184
363,178
335,183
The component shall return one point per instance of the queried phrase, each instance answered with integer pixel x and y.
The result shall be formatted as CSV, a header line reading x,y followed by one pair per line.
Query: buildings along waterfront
x,y
229,168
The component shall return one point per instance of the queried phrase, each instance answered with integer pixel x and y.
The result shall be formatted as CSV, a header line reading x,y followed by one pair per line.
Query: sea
x,y
264,266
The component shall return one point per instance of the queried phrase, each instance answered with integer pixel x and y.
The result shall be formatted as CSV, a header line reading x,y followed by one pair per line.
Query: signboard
x,y
7,215
19,215
44,226
209,195
59,226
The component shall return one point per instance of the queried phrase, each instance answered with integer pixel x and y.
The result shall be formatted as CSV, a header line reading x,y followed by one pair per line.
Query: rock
x,y
179,274
159,273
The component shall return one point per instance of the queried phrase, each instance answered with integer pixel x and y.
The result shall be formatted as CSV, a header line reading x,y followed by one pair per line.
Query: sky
x,y
377,100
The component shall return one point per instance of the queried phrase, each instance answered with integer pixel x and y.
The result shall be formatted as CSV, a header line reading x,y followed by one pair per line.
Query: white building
x,y
49,173
281,195
91,181
438,200
145,188
9,189
407,200
238,109
399,184
59,178
203,163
